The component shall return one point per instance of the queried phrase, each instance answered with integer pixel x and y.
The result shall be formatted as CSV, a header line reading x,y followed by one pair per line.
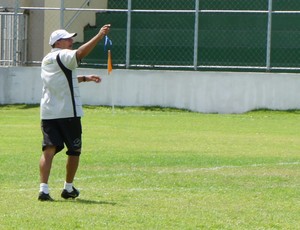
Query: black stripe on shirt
x,y
68,74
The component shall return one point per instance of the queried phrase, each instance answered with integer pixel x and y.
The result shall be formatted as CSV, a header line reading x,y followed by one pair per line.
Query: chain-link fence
x,y
258,35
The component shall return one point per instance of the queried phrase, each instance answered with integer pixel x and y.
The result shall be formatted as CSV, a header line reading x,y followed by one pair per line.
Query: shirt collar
x,y
55,49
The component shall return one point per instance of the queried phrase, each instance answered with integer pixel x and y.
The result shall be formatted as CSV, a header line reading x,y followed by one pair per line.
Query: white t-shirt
x,y
60,97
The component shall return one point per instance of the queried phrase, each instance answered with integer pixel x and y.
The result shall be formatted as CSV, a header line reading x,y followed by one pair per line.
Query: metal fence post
x,y
196,30
269,35
2,20
62,8
128,34
15,38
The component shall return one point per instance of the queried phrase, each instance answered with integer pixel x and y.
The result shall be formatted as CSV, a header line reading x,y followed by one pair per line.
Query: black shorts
x,y
57,132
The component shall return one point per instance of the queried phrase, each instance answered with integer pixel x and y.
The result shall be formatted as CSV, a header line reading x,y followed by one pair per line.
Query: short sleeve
x,y
68,58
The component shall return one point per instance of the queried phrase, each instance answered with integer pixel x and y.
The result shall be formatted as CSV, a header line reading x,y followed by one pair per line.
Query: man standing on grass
x,y
61,107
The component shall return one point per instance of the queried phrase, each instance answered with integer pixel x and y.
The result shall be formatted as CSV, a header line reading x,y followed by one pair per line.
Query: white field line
x,y
162,171
189,170
227,167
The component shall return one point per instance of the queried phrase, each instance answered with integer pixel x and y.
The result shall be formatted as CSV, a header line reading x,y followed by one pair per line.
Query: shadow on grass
x,y
95,202
143,108
19,106
84,201
292,111
139,108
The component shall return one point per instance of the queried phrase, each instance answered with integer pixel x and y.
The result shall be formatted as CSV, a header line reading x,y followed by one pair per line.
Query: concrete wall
x,y
208,92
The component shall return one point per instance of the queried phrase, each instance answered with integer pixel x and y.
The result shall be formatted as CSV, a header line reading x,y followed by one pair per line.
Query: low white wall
x,y
208,92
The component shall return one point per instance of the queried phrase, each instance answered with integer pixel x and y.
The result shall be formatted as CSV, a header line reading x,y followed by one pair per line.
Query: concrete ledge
x,y
207,92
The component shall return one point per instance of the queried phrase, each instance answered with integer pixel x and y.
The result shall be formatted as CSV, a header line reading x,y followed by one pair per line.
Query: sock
x,y
44,188
68,186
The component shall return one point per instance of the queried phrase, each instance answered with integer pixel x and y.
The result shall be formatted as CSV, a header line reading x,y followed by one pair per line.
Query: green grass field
x,y
152,168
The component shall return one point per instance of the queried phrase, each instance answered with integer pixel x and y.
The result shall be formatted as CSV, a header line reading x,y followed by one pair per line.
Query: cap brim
x,y
71,35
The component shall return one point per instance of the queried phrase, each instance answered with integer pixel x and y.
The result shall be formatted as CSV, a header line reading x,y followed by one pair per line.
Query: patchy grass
x,y
155,168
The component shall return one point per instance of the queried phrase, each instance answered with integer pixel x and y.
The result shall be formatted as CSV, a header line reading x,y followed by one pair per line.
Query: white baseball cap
x,y
60,34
